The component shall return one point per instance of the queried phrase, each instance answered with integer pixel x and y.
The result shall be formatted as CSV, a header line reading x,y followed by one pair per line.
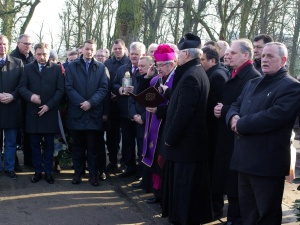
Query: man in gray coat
x,y
86,88
42,87
11,70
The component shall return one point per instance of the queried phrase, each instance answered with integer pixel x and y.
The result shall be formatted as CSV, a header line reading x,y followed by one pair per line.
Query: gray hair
x,y
246,46
106,51
194,52
23,35
148,59
138,46
282,50
152,45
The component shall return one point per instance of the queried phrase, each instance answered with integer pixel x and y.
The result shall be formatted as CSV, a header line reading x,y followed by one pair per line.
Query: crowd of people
x,y
223,127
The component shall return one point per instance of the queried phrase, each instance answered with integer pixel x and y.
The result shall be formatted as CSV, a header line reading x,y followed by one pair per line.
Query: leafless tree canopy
x,y
161,21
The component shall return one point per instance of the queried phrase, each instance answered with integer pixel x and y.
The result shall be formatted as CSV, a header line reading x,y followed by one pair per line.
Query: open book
x,y
150,97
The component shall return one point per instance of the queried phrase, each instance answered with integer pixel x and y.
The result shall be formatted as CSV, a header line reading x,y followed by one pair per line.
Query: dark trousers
x,y
260,199
48,147
218,204
86,140
128,143
140,166
1,140
26,145
102,154
233,213
113,137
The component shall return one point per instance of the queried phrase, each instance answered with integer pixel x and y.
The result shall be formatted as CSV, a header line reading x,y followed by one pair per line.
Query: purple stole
x,y
152,127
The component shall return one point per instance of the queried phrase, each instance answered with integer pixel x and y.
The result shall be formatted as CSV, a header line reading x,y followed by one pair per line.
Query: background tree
x,y
152,14
128,20
11,12
160,21
295,41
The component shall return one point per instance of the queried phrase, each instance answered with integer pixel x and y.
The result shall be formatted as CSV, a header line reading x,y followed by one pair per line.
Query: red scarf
x,y
234,72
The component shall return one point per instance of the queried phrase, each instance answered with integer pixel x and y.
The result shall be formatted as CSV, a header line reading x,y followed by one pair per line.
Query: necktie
x,y
134,70
2,63
87,64
41,68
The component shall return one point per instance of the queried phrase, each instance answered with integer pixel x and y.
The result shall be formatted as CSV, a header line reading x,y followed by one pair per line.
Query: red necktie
x,y
134,70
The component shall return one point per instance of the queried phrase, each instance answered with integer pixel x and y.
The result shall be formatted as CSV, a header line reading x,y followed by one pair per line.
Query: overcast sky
x,y
46,11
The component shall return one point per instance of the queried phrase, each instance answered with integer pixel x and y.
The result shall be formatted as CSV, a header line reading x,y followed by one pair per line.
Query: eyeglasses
x,y
161,65
25,43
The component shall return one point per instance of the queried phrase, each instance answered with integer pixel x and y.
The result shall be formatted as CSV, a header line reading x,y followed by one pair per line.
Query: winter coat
x,y
185,128
91,86
17,54
49,85
225,137
267,108
10,75
123,100
113,65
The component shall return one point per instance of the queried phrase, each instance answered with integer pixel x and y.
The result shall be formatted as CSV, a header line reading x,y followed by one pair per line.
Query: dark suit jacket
x,y
123,100
268,108
225,140
185,128
218,76
49,84
10,75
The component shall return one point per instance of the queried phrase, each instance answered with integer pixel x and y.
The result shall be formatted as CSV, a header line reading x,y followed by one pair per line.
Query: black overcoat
x,y
185,128
217,76
267,108
10,75
225,140
113,65
49,85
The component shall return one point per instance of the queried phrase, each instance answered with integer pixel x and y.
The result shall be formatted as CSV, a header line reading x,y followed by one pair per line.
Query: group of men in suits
x,y
246,161
253,119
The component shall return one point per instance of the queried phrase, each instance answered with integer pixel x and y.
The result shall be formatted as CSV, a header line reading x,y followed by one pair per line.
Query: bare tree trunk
x,y
129,20
8,19
152,17
282,26
245,17
263,17
29,16
80,25
176,33
188,19
295,39
224,9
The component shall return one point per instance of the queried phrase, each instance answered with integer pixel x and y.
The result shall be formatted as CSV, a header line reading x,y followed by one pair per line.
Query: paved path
x,y
115,201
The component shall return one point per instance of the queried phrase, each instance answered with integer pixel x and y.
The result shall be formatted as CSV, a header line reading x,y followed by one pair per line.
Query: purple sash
x,y
152,127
